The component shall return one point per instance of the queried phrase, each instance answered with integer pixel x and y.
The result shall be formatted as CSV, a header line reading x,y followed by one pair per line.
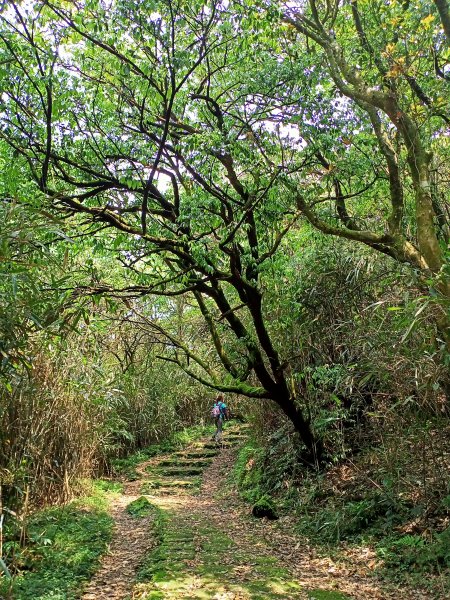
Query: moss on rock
x,y
265,507
140,507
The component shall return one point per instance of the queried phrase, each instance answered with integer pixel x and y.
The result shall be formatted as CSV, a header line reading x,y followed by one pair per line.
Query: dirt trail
x,y
204,543
132,539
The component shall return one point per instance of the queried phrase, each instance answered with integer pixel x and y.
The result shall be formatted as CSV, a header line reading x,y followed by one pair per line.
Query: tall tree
x,y
138,118
387,64
199,135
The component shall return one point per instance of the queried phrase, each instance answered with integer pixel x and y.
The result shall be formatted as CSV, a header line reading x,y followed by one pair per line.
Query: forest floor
x,y
181,531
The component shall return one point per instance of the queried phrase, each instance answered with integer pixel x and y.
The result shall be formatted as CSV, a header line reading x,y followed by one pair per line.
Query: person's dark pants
x,y
219,429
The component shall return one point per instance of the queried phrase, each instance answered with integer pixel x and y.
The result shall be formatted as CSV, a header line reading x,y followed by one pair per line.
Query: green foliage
x,y
349,320
416,553
247,472
62,551
29,305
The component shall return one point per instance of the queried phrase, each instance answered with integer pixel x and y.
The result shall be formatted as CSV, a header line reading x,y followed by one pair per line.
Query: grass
x,y
63,550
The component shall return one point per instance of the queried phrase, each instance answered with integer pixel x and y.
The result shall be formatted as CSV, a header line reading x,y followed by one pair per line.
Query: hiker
x,y
220,412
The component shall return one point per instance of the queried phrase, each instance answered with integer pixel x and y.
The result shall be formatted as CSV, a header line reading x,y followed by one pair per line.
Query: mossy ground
x,y
140,507
195,557
326,595
198,561
64,548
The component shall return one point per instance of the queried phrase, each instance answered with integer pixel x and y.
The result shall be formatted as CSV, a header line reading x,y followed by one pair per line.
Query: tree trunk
x,y
303,428
427,232
442,7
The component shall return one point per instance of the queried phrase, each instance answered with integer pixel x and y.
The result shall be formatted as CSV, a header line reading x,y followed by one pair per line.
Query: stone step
x,y
167,482
173,491
218,446
184,462
199,453
178,471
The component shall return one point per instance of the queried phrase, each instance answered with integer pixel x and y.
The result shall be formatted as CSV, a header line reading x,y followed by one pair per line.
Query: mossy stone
x,y
265,507
140,507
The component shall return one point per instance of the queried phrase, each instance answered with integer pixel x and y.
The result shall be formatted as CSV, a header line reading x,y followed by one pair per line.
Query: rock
x,y
265,507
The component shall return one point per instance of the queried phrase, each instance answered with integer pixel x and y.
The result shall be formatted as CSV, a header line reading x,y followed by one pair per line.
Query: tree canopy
x,y
191,139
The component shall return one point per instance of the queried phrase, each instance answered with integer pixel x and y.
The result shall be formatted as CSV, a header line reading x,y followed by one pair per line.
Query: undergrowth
x,y
248,473
393,498
62,550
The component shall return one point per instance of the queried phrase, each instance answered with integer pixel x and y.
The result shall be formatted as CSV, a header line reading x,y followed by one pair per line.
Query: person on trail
x,y
219,413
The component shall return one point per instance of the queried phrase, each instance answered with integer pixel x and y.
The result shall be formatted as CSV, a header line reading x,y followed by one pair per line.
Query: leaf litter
x,y
212,548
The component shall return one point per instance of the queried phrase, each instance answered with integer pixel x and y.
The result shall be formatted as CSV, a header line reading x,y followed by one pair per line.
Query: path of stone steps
x,y
180,472
200,542
177,476
203,553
